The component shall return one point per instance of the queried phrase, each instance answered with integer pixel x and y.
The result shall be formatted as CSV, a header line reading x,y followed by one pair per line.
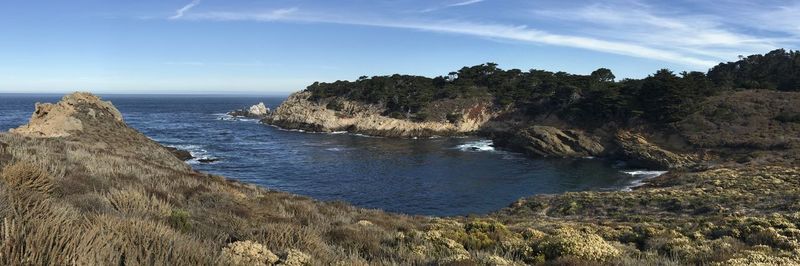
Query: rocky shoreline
x,y
480,118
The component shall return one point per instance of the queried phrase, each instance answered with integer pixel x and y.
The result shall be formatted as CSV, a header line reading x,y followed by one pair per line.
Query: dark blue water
x,y
427,176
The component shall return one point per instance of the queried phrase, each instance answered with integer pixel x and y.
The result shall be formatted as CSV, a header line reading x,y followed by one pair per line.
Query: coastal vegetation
x,y
661,98
80,187
108,195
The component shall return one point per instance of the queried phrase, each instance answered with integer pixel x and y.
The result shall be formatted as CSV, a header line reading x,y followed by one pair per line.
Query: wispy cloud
x,y
690,34
699,41
465,3
484,30
457,4
277,14
180,12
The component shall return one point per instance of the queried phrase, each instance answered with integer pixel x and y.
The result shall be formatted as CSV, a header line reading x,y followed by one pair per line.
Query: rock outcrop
x,y
298,112
84,117
546,141
183,155
259,110
64,118
636,149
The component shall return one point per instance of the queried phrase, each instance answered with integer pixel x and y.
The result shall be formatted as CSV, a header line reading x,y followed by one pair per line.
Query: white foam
x,y
228,117
198,153
480,145
644,173
641,176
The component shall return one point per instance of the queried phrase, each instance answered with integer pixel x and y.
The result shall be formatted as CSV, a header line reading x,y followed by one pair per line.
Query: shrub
x,y
397,115
247,253
786,117
132,201
570,242
27,177
179,219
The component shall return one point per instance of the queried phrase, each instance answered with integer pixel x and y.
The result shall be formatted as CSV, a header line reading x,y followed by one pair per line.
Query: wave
x,y
641,176
480,145
228,117
198,153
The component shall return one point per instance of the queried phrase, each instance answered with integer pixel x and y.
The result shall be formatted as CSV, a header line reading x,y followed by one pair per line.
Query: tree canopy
x,y
660,98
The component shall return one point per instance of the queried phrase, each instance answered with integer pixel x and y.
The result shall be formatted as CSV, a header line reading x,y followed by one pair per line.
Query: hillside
x,y
665,121
87,189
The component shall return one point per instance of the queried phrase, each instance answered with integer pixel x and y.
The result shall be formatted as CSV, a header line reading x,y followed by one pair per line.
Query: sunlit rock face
x,y
68,116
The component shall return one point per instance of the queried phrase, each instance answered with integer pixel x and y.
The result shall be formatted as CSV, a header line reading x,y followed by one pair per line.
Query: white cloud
x,y
277,14
180,12
690,34
484,30
465,3
632,28
462,3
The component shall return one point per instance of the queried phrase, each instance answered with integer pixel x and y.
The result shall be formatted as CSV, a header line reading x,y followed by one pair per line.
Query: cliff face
x,y
298,112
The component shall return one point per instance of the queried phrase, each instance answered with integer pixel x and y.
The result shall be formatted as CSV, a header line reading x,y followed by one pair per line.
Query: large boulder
x,y
259,110
546,141
639,152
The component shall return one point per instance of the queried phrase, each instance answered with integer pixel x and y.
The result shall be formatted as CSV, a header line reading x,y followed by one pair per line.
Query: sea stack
x,y
259,110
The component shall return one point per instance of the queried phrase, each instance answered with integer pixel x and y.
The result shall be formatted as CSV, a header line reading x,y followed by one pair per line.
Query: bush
x,y
570,242
247,253
788,117
27,177
179,219
397,115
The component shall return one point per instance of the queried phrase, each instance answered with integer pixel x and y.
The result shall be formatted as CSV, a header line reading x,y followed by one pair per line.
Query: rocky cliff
x,y
298,112
478,116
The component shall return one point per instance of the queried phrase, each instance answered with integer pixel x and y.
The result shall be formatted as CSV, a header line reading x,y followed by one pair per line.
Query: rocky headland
x,y
478,117
664,121
338,114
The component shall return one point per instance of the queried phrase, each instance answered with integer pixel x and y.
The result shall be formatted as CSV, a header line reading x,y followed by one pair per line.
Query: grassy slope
x,y
109,195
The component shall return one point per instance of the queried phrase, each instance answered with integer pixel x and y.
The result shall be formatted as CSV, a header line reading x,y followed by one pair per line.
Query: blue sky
x,y
279,46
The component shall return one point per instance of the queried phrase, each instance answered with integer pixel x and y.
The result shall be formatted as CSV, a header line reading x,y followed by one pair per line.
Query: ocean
x,y
438,176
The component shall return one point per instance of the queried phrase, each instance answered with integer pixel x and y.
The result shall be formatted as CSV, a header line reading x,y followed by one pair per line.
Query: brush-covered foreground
x,y
102,193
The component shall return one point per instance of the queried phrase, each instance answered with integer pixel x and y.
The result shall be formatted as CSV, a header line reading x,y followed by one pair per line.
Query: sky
x,y
280,46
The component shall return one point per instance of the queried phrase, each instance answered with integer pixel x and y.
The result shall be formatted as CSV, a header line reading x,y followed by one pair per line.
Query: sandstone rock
x,y
639,151
546,141
298,112
61,119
